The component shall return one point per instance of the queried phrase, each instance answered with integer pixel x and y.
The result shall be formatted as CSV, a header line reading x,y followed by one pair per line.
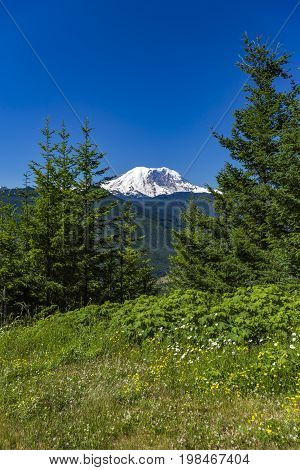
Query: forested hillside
x,y
156,218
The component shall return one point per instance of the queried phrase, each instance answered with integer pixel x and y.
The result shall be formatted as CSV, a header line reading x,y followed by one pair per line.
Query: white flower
x,y
292,346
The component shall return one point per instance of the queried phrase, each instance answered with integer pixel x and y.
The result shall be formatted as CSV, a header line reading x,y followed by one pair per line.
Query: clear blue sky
x,y
152,76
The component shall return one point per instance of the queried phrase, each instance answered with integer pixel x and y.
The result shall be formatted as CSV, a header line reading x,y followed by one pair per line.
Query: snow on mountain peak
x,y
151,182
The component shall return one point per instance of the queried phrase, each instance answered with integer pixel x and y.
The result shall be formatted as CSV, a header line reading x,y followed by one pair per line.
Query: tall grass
x,y
79,380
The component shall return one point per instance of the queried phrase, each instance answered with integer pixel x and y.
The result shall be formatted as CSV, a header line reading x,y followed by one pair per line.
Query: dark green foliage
x,y
254,315
10,264
261,200
55,245
156,218
129,273
255,237
64,239
202,257
44,224
249,315
88,219
146,316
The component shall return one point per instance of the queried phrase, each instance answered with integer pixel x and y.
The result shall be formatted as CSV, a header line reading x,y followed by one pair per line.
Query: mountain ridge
x,y
155,217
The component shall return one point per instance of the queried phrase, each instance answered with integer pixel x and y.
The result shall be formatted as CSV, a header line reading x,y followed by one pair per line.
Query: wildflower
x,y
292,346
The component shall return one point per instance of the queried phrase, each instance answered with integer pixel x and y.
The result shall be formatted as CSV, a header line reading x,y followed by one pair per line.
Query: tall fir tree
x,y
11,264
257,228
64,240
45,223
25,234
128,269
260,198
90,218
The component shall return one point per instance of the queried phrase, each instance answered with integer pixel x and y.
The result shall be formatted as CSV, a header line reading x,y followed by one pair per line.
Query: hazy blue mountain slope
x,y
156,218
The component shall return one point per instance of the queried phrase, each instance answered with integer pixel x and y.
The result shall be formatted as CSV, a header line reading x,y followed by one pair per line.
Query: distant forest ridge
x,y
156,218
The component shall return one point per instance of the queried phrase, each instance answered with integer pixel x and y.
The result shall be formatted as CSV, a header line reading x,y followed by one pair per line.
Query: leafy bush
x,y
145,316
255,314
252,314
249,315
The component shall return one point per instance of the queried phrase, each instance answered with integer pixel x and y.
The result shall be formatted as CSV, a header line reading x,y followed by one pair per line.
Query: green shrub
x,y
145,316
254,314
249,315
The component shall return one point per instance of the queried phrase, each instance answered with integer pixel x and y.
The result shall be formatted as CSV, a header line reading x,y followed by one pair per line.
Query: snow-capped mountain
x,y
151,182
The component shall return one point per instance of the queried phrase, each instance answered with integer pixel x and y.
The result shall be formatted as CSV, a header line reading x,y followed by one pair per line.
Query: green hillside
x,y
185,371
156,218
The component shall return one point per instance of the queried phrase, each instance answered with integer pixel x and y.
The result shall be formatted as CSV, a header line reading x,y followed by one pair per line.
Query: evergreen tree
x,y
128,269
25,233
90,218
64,240
202,258
260,198
256,233
26,196
45,224
63,248
10,266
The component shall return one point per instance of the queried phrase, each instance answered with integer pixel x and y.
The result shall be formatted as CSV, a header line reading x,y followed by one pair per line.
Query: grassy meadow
x,y
155,373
